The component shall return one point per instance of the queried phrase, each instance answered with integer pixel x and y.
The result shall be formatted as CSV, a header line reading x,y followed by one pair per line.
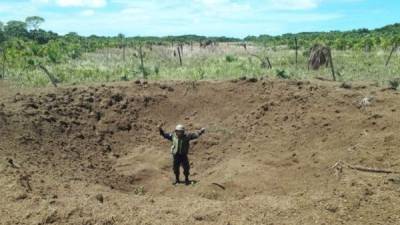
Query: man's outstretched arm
x,y
167,136
197,134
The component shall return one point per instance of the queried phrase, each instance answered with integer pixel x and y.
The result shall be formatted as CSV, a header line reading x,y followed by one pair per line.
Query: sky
x,y
232,18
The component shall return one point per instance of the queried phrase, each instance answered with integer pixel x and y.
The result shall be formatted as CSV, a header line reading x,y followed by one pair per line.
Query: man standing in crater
x,y
180,149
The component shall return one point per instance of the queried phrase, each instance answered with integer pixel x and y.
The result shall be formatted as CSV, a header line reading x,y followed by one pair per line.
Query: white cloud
x,y
17,10
293,4
213,3
82,3
173,17
40,1
88,12
282,5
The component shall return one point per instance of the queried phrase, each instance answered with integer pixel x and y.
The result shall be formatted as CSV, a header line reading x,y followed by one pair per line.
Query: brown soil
x,y
93,155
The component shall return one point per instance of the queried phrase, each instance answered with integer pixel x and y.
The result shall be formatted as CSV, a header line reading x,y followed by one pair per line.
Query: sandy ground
x,y
92,154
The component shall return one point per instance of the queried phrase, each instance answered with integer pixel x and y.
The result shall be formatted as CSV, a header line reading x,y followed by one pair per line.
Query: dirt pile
x,y
92,155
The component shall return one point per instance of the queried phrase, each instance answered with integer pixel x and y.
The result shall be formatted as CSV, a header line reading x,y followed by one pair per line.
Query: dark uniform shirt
x,y
181,145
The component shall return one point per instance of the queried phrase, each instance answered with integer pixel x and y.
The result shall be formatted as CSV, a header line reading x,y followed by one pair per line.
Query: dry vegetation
x,y
222,61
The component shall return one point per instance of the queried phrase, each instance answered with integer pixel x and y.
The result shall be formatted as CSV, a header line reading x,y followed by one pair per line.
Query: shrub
x,y
282,74
394,84
157,70
200,74
230,58
124,78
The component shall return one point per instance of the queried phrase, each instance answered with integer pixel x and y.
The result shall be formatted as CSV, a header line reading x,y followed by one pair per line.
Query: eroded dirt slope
x,y
93,155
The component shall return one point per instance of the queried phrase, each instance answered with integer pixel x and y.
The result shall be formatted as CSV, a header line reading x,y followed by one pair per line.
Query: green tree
x,y
386,43
33,22
2,36
16,28
42,36
72,37
368,44
377,41
340,44
395,40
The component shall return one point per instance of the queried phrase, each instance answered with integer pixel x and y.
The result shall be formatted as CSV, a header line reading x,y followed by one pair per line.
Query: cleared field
x,y
93,155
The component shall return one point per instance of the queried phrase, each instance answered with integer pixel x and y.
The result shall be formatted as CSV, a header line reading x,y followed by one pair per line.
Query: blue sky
x,y
235,18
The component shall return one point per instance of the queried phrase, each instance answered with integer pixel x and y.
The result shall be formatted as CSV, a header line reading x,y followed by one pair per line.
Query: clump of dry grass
x,y
319,55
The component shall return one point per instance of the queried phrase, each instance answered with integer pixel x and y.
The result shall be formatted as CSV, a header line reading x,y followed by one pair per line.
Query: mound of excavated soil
x,y
275,152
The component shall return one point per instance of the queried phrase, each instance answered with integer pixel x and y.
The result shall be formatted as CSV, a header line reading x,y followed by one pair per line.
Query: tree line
x,y
29,30
15,33
25,45
359,39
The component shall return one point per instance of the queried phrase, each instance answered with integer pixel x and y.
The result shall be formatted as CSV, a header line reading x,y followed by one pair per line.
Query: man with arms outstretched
x,y
180,149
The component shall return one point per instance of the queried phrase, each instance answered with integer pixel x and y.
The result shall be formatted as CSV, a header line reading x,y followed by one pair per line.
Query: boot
x,y
177,181
187,181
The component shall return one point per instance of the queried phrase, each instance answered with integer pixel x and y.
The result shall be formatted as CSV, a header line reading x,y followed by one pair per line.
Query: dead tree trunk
x,y
87,46
390,55
123,46
297,48
332,67
180,55
51,77
181,46
123,52
141,56
269,63
3,69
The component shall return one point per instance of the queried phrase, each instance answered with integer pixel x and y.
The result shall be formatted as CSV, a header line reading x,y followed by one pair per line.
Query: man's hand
x,y
202,130
160,128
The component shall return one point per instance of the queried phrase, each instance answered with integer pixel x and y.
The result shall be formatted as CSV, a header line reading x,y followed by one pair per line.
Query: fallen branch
x,y
219,185
372,170
339,165
265,63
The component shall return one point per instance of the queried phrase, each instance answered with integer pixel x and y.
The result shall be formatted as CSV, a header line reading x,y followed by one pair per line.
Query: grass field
x,y
225,61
